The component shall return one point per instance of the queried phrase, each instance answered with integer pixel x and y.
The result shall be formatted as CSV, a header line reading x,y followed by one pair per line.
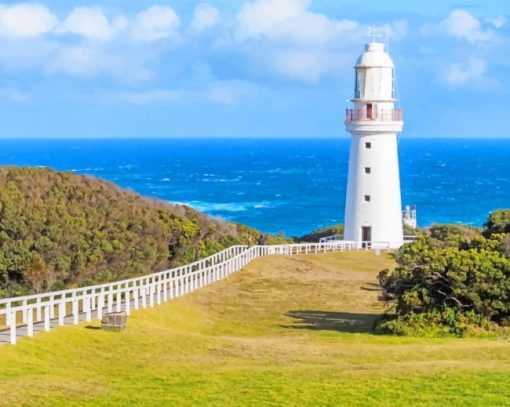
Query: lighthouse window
x,y
356,85
368,170
368,144
366,198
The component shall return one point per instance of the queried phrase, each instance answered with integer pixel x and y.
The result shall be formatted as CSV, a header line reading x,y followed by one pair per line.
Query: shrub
x,y
450,282
498,222
316,235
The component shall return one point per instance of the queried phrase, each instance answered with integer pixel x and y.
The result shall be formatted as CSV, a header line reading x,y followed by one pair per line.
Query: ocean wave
x,y
285,171
214,207
217,206
264,205
231,179
86,169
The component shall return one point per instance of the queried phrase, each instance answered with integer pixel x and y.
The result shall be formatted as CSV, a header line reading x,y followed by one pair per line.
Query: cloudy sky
x,y
257,68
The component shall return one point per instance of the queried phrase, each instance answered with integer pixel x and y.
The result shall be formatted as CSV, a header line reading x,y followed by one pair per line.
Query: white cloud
x,y
155,23
398,30
90,22
145,97
14,95
497,22
305,66
288,20
461,24
229,92
261,17
82,61
205,17
285,37
223,92
88,60
472,73
26,20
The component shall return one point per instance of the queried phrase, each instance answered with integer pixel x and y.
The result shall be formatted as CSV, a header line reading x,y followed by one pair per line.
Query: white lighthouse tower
x,y
373,209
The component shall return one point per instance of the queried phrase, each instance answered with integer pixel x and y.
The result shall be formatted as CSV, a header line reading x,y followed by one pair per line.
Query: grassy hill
x,y
59,229
284,331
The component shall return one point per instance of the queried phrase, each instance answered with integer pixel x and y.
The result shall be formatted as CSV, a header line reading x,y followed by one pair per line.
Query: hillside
x,y
59,229
284,331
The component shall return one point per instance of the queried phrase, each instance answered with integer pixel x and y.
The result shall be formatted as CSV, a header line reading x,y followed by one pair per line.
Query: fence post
x,y
165,289
100,305
110,299
136,292
93,300
158,292
51,302
143,291
13,328
47,318
37,309
30,323
127,302
151,295
171,284
87,306
118,306
61,311
24,311
8,314
76,315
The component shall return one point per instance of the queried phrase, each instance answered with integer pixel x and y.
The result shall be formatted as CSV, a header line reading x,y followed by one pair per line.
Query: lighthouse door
x,y
370,114
366,236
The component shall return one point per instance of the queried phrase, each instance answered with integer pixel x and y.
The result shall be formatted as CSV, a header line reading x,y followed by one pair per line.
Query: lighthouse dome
x,y
374,56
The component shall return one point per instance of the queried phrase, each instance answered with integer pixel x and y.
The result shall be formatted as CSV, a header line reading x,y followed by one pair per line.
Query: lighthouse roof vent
x,y
374,56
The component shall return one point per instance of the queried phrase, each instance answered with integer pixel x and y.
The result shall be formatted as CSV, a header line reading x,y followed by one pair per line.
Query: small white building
x,y
373,210
409,217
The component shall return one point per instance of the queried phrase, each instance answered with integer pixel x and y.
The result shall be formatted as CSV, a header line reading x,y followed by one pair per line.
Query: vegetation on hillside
x,y
455,280
316,235
58,229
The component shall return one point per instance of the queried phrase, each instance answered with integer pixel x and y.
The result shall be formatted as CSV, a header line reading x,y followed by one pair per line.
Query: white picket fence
x,y
29,314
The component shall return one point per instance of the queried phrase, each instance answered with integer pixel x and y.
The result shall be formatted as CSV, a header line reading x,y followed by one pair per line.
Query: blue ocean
x,y
282,185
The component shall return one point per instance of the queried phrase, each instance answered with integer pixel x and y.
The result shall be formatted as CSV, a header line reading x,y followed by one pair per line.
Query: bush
x,y
498,222
316,235
449,283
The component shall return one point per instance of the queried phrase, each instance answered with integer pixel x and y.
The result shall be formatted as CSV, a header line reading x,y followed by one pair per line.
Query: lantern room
x,y
374,95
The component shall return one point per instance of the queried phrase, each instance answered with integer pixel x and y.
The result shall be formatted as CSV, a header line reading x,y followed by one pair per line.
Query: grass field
x,y
284,332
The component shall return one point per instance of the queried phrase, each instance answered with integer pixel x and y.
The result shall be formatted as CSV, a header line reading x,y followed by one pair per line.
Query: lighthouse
x,y
373,208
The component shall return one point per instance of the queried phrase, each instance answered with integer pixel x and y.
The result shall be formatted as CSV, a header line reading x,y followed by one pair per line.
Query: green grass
x,y
283,332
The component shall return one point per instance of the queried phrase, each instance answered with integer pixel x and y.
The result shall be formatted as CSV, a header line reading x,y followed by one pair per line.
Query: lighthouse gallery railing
x,y
352,115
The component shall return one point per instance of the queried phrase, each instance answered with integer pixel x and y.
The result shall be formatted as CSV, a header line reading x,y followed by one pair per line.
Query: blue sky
x,y
258,68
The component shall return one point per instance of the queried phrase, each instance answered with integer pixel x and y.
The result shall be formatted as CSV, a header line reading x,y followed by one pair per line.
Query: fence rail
x,y
26,315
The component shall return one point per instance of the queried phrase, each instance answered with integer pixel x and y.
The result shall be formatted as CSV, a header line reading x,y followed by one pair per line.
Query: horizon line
x,y
347,137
